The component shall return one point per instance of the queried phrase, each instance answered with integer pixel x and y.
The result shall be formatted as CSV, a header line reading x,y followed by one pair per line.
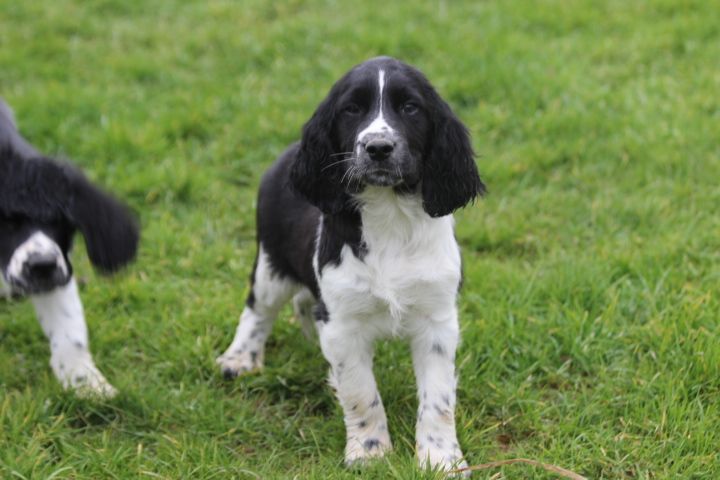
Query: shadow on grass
x,y
89,413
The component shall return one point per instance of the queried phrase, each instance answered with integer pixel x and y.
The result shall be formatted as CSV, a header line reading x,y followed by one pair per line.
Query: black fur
x,y
33,187
338,230
450,176
321,313
312,174
110,231
40,194
286,223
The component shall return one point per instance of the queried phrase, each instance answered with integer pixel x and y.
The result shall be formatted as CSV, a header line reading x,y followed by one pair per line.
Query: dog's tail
x,y
110,230
10,138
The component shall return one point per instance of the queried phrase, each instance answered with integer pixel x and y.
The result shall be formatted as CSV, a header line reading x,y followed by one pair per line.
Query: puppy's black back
x,y
286,223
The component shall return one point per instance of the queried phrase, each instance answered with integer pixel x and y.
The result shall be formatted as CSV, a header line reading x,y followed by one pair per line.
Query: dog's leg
x,y
350,355
61,316
268,293
303,306
433,350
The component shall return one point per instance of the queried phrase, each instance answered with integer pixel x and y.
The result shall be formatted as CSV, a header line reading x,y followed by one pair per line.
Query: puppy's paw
x,y
436,454
100,390
362,449
85,379
235,363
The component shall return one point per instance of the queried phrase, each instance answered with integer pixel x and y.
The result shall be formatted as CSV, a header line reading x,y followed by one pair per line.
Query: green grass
x,y
590,308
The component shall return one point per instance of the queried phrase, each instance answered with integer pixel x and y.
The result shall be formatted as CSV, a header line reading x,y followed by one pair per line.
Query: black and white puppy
x,y
356,220
42,204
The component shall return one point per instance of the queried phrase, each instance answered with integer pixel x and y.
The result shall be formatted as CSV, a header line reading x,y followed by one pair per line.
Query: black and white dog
x,y
42,204
356,219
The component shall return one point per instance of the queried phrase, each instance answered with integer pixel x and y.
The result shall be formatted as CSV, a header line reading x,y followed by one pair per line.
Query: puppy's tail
x,y
110,230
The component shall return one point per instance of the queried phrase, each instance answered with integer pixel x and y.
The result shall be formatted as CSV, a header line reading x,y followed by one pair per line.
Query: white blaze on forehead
x,y
381,84
379,124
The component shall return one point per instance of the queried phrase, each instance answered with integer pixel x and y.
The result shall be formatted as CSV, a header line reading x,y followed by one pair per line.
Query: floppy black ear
x,y
450,178
111,232
312,173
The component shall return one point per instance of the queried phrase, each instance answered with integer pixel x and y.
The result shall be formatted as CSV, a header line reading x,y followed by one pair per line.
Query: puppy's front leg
x,y
350,355
61,316
433,350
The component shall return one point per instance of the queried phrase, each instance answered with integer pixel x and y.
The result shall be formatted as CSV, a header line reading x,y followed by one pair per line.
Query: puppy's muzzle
x,y
40,273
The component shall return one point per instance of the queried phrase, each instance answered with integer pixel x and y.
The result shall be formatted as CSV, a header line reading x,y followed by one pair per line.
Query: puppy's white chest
x,y
390,288
411,282
411,271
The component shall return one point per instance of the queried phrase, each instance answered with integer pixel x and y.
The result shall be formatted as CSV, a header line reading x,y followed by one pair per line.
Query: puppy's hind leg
x,y
61,316
304,305
268,293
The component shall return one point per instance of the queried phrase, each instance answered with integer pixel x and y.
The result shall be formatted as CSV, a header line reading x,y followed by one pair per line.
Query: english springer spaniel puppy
x,y
355,221
42,204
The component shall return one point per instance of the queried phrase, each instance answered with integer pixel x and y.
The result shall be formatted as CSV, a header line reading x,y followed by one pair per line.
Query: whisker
x,y
347,172
336,163
341,153
358,177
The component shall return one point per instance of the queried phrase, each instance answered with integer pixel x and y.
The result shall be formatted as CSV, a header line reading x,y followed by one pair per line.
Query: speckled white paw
x,y
362,448
234,363
84,378
431,453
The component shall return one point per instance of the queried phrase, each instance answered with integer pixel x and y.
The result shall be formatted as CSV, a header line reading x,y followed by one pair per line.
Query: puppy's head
x,y
383,124
39,192
42,203
34,254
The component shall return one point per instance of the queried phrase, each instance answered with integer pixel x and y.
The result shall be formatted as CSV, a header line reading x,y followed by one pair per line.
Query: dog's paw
x,y
85,380
446,456
100,390
235,363
362,449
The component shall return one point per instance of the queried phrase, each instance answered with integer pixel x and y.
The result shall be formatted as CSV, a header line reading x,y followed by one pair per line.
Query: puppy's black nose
x,y
40,265
379,149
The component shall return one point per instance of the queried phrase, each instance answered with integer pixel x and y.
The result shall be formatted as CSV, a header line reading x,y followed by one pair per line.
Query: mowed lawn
x,y
590,305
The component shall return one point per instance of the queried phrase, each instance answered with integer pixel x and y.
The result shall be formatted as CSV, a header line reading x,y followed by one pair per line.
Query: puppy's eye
x,y
352,109
410,108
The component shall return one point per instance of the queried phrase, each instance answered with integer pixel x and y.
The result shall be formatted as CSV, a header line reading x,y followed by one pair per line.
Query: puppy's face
x,y
383,124
33,256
